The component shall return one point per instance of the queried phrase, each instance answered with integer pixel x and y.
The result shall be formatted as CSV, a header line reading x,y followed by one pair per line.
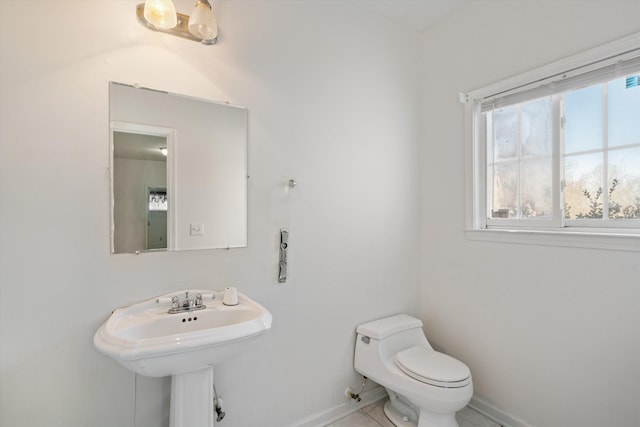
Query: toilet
x,y
426,388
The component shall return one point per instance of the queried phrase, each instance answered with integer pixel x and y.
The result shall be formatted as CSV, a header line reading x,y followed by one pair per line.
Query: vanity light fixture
x,y
161,15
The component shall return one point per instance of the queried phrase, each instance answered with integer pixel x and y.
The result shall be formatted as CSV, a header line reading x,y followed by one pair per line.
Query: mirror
x,y
178,172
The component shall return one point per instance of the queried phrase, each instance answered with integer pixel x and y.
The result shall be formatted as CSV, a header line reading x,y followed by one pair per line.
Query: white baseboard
x,y
496,414
330,415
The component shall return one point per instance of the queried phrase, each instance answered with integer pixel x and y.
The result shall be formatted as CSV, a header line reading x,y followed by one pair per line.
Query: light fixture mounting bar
x,y
180,30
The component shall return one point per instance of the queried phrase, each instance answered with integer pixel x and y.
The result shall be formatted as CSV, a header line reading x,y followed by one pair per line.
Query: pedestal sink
x,y
148,340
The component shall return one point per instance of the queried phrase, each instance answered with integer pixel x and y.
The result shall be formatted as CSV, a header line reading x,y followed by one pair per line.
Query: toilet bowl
x,y
426,388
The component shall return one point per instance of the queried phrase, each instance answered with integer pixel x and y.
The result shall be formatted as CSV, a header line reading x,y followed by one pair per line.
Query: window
x,y
602,154
558,150
519,143
157,199
598,136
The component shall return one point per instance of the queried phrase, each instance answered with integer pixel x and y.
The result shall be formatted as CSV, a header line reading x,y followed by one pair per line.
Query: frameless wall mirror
x,y
178,172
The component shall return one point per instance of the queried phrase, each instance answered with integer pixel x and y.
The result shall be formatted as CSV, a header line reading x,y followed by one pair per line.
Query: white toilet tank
x,y
378,341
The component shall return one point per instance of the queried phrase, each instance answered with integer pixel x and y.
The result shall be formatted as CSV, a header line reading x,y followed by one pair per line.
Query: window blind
x,y
597,72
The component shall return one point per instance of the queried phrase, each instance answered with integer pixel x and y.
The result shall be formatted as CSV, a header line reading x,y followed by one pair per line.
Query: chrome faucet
x,y
187,304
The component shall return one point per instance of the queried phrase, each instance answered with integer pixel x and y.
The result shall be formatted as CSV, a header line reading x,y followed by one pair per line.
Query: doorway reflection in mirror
x,y
140,192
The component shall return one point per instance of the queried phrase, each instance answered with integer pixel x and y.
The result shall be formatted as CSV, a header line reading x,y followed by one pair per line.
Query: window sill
x,y
573,239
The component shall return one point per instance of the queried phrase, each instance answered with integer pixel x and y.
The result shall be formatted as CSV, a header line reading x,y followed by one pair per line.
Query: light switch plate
x,y
196,230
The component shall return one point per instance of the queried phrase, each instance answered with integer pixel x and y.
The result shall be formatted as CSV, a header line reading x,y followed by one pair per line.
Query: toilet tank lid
x,y
382,328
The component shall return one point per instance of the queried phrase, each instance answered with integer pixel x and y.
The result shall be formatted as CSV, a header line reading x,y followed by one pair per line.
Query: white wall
x,y
332,100
550,334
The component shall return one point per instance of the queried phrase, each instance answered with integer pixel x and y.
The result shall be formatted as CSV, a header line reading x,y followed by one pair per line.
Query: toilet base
x,y
426,420
396,418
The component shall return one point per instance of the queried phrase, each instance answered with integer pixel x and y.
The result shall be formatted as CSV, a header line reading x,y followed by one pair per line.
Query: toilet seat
x,y
433,368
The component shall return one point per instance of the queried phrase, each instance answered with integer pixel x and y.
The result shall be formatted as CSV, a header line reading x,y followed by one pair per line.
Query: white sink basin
x,y
148,340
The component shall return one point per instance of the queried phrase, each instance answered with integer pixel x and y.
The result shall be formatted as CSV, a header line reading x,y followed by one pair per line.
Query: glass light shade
x,y
202,22
160,13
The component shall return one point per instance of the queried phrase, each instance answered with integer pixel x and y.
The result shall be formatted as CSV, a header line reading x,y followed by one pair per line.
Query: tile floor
x,y
373,416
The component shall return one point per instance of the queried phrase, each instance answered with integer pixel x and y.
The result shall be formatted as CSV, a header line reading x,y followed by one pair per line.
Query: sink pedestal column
x,y
192,399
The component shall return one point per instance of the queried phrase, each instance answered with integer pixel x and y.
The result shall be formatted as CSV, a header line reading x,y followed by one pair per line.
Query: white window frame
x,y
478,226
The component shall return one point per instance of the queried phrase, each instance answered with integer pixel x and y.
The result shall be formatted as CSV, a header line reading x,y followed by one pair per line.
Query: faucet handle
x,y
175,301
198,299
